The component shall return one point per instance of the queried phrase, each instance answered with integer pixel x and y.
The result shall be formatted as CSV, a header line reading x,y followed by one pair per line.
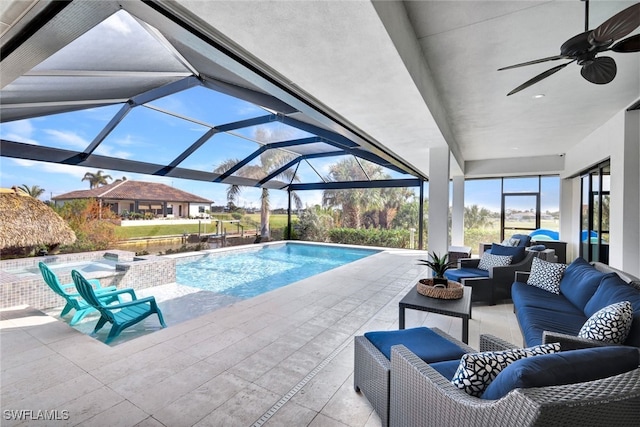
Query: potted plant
x,y
439,264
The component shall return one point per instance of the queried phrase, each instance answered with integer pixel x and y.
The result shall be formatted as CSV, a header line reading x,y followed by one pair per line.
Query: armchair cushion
x,y
477,370
465,273
546,275
579,282
567,367
510,241
423,342
610,324
489,260
515,252
525,239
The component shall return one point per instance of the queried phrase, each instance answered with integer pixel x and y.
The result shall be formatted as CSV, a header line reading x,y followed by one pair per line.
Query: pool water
x,y
245,274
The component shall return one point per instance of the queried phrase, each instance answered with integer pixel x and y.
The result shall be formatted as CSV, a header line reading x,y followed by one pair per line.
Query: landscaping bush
x,y
370,237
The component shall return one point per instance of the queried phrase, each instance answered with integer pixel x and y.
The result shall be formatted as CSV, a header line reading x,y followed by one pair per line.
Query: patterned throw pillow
x,y
611,324
489,260
546,275
477,370
510,242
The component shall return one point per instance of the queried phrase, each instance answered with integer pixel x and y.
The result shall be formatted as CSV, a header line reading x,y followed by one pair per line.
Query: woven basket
x,y
454,291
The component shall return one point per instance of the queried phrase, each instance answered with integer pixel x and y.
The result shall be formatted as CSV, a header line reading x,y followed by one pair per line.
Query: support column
x,y
438,200
457,214
630,226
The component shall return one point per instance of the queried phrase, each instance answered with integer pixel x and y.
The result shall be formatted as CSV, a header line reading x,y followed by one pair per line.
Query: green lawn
x,y
250,222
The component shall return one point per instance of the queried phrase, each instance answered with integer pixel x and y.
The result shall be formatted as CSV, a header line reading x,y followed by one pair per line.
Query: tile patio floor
x,y
292,348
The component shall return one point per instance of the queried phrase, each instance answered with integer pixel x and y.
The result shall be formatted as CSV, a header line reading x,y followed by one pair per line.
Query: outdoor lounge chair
x,y
74,299
372,368
122,315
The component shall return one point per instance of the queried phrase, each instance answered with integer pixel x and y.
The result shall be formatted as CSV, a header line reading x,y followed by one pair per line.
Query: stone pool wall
x,y
137,272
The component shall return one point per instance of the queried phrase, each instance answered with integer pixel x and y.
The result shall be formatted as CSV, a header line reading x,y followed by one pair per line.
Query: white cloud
x,y
69,138
106,150
117,24
18,131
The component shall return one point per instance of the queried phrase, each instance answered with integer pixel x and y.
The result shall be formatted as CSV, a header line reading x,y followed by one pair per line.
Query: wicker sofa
x,y
372,369
421,396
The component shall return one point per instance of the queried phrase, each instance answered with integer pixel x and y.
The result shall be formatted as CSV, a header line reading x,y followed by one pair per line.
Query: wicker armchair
x,y
372,369
498,284
420,396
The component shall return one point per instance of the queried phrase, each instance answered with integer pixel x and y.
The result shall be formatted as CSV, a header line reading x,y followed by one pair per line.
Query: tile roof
x,y
135,190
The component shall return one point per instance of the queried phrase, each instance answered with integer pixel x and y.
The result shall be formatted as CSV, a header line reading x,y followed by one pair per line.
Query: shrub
x,y
91,223
370,237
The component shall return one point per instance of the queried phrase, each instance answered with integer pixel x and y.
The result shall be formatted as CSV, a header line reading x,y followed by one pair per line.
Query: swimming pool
x,y
248,273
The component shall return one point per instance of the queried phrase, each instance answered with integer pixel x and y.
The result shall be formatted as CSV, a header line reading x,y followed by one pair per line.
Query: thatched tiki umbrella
x,y
26,222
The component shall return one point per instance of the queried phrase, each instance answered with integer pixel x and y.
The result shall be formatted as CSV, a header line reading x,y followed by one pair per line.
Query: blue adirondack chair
x,y
74,299
121,315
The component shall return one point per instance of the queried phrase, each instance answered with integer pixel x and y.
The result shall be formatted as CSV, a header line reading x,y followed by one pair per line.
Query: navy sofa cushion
x,y
580,282
465,273
447,368
515,252
534,320
612,289
566,367
423,342
524,295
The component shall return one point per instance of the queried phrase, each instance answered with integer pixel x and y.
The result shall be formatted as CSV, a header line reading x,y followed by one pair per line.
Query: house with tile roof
x,y
126,196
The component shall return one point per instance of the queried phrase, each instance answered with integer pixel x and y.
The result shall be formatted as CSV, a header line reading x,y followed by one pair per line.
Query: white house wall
x,y
194,209
617,140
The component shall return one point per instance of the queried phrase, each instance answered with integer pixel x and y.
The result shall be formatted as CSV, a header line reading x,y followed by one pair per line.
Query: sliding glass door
x,y
594,233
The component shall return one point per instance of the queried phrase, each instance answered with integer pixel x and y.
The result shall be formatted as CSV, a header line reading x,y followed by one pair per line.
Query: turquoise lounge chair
x,y
122,315
74,299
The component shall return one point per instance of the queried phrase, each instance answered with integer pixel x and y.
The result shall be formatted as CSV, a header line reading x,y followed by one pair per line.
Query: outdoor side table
x,y
456,308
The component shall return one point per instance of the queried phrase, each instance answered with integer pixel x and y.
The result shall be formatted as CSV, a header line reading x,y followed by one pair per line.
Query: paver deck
x,y
284,358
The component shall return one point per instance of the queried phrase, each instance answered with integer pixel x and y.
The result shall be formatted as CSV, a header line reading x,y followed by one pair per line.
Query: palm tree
x,y
354,202
476,217
96,179
392,200
34,191
270,160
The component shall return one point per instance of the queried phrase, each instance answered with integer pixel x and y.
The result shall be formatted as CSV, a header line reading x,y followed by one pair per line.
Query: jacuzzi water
x,y
99,265
245,274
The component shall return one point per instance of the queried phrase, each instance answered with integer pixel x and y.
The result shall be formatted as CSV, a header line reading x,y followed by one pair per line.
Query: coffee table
x,y
456,308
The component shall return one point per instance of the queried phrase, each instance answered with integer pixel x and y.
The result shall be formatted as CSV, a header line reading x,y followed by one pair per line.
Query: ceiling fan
x,y
584,47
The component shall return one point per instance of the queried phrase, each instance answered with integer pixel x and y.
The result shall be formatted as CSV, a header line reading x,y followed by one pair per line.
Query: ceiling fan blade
x,y
628,45
601,71
539,77
616,27
536,61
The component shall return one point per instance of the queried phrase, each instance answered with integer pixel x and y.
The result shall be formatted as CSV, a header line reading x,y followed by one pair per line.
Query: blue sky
x,y
149,135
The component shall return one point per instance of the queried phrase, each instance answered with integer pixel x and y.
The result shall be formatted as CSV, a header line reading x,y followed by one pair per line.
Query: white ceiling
x,y
407,73
420,74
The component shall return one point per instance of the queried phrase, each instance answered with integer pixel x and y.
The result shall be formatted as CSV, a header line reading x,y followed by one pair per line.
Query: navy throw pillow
x,y
516,253
422,342
566,367
579,282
